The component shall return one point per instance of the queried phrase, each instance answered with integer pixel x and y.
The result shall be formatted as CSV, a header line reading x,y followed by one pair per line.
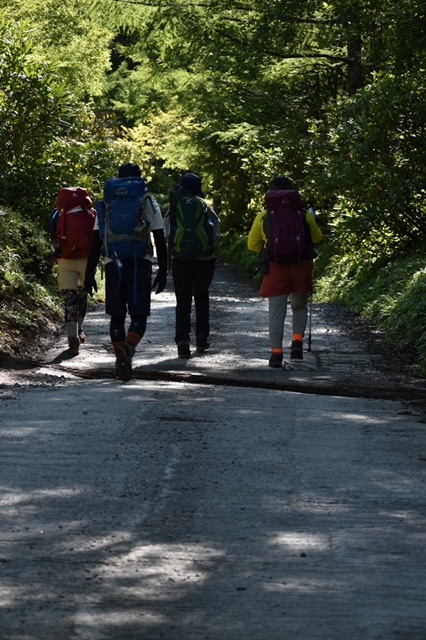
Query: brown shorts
x,y
283,279
71,273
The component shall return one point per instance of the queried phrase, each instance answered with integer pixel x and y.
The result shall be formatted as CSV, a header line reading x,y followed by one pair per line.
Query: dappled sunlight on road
x,y
228,510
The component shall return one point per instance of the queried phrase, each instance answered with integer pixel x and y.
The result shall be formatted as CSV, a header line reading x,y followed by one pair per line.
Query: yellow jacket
x,y
257,239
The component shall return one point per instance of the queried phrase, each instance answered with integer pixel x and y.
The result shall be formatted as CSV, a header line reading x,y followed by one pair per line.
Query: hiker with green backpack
x,y
126,218
193,234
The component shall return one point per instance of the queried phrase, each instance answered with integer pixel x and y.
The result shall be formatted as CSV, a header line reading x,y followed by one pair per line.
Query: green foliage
x,y
25,252
71,36
27,308
390,293
46,136
32,104
233,250
368,166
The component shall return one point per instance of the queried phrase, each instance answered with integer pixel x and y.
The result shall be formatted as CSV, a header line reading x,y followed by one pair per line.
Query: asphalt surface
x,y
214,498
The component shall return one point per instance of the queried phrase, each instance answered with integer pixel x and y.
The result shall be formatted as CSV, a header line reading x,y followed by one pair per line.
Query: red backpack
x,y
288,233
75,224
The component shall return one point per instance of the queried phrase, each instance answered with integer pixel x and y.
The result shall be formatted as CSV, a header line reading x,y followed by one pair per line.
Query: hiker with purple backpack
x,y
283,235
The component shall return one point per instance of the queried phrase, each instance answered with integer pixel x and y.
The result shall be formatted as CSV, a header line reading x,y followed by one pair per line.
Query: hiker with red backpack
x,y
283,235
126,218
193,234
71,228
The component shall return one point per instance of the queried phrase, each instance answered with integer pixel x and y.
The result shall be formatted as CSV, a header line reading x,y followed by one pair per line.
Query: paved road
x,y
215,499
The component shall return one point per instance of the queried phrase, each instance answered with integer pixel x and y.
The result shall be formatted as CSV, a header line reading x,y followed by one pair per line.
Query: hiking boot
x,y
276,360
296,350
82,336
123,362
74,346
202,344
183,349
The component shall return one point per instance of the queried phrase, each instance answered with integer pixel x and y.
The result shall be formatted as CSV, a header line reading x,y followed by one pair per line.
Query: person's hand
x,y
90,285
160,281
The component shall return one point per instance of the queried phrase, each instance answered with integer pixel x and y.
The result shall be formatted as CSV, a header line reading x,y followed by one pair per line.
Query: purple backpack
x,y
286,228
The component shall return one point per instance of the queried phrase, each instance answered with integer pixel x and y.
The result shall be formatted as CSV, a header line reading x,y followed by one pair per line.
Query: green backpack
x,y
192,227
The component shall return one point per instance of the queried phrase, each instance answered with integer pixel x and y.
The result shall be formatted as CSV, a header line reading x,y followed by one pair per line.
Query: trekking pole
x,y
310,323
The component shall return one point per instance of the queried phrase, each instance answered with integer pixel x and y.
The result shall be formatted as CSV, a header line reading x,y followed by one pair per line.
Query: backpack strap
x,y
53,223
60,227
144,200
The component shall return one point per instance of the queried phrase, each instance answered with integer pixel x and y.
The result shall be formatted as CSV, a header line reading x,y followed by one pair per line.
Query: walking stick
x,y
310,323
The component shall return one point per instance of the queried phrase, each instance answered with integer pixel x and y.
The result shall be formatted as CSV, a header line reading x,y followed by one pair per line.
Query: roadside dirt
x,y
390,362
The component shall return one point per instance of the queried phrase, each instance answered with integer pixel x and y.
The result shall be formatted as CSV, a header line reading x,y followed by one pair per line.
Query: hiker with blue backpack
x,y
284,235
193,234
126,218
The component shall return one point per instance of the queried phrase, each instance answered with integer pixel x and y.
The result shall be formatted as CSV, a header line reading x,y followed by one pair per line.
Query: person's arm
x,y
53,226
316,233
167,224
256,239
157,227
92,264
160,279
215,219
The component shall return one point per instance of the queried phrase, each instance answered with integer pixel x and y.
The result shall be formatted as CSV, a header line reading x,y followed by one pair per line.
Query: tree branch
x,y
207,5
278,54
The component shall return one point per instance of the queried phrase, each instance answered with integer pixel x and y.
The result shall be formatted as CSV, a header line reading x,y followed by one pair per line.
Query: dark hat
x,y
129,170
282,182
191,184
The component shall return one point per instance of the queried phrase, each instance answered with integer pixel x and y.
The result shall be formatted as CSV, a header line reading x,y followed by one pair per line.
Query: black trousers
x,y
192,279
128,288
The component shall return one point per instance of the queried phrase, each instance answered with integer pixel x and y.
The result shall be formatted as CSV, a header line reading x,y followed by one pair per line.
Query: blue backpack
x,y
123,227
